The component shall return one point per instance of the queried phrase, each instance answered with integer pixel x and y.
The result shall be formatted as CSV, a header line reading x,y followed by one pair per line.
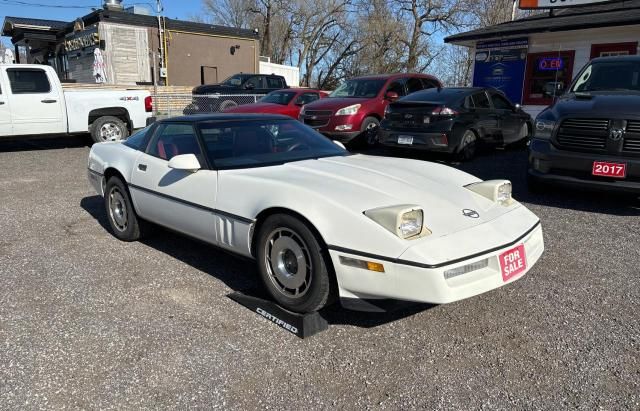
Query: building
x,y
117,46
531,59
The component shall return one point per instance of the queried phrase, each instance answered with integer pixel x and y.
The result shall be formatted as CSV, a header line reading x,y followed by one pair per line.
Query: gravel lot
x,y
87,321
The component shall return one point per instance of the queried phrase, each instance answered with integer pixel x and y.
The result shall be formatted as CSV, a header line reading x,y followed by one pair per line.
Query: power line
x,y
55,6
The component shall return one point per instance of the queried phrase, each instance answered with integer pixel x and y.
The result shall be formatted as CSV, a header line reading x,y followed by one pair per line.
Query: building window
x,y
547,74
614,49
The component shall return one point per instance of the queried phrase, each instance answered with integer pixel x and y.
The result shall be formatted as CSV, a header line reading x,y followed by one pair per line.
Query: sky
x,y
72,9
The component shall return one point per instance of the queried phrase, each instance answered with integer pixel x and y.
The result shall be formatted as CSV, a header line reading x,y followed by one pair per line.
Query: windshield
x,y
258,143
278,97
362,88
609,76
233,81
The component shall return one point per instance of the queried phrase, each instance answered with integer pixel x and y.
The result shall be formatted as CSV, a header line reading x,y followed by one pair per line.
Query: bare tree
x,y
234,13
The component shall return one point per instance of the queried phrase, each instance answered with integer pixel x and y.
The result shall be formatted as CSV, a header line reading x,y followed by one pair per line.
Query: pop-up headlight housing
x,y
498,191
405,221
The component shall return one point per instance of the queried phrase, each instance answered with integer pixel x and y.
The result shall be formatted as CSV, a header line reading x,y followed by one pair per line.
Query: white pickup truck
x,y
33,103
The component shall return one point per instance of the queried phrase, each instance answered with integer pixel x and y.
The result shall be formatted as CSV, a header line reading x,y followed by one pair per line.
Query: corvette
x,y
321,223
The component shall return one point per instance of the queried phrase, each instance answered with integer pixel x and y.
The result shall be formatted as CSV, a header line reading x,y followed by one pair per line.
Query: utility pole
x,y
513,10
159,10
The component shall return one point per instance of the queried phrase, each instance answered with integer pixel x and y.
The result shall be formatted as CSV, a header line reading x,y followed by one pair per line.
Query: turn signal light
x,y
367,265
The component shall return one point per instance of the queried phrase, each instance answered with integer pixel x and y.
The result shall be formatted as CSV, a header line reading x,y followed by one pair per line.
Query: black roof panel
x,y
226,117
618,13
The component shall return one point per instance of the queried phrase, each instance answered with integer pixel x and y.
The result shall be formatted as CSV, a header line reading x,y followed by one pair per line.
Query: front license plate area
x,y
408,140
513,262
605,169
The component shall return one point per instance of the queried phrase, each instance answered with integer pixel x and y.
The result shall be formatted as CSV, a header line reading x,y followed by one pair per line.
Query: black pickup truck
x,y
236,90
590,138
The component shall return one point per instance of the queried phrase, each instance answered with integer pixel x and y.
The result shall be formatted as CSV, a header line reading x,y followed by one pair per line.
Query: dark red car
x,y
357,106
287,102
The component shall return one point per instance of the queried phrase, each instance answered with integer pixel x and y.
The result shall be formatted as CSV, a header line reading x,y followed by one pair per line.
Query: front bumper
x,y
424,284
548,164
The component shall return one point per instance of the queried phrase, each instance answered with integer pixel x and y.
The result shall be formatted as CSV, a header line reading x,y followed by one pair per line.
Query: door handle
x,y
48,101
142,167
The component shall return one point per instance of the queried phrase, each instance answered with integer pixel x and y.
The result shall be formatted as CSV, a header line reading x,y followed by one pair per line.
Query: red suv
x,y
356,107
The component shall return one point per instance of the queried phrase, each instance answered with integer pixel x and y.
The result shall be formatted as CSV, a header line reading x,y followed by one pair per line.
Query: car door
x,y
181,200
485,118
259,86
36,104
5,112
510,122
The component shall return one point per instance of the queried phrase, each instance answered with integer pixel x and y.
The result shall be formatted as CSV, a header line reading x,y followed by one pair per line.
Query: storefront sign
x,y
550,64
501,65
554,4
80,40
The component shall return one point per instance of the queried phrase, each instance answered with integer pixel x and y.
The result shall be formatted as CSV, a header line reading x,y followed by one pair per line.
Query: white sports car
x,y
320,222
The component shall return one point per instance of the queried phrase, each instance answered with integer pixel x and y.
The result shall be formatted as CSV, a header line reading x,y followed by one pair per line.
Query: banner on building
x,y
501,65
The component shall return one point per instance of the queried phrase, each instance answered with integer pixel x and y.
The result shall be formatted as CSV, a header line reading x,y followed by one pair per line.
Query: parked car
x,y
356,107
590,138
319,221
33,103
211,98
454,120
287,102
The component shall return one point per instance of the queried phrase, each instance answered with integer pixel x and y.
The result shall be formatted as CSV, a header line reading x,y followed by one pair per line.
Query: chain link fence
x,y
176,104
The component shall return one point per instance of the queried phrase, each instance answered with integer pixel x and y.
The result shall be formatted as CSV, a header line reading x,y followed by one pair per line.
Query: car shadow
x,y
511,164
13,144
238,273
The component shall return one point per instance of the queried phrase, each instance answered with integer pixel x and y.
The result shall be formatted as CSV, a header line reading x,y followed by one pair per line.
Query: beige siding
x,y
126,54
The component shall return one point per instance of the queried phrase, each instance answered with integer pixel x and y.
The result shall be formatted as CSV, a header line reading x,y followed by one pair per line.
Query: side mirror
x,y
299,103
249,86
186,162
391,96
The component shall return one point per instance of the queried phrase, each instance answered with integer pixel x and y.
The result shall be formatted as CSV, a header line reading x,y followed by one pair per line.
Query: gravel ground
x,y
87,321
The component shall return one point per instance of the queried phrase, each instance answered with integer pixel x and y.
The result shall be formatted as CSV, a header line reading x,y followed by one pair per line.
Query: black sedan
x,y
454,120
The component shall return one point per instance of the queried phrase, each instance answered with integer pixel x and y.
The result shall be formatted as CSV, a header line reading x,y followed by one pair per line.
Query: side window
x,y
257,82
172,139
274,82
481,100
414,84
500,103
27,81
307,98
468,102
397,86
429,83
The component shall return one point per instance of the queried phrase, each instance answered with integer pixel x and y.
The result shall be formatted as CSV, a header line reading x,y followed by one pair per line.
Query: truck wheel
x,y
227,104
292,265
108,128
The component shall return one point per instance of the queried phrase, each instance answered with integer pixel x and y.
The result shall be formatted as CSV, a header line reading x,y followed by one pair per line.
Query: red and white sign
x,y
555,4
513,262
616,170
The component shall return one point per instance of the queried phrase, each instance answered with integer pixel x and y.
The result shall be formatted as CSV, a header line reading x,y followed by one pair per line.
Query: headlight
x,y
348,111
498,191
405,221
544,129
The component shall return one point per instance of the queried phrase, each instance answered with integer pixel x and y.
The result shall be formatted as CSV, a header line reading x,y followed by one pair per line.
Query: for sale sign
x,y
513,262
554,4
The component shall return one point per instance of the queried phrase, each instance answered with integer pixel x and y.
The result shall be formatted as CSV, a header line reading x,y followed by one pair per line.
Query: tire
x,y
227,104
124,223
468,146
370,128
284,244
108,128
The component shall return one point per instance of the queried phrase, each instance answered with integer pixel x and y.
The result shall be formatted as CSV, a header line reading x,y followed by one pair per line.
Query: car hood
x,y
257,108
601,103
358,183
334,103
